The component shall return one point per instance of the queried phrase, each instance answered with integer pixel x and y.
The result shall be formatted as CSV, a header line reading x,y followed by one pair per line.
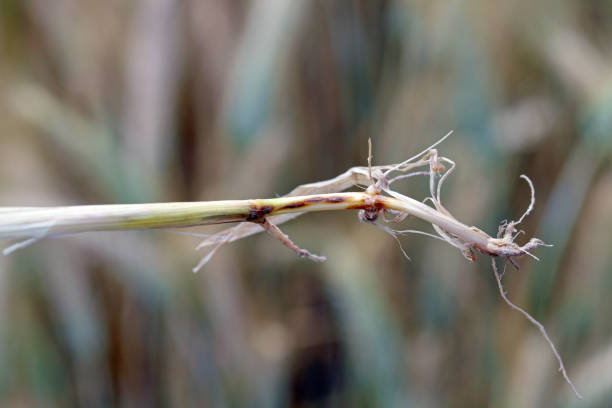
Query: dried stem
x,y
29,224
34,224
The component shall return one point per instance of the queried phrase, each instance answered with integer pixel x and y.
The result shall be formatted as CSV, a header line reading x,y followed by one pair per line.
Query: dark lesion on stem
x,y
370,207
369,210
313,200
298,204
258,212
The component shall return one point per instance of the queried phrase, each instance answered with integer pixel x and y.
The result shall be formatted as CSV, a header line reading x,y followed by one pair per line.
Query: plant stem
x,y
26,222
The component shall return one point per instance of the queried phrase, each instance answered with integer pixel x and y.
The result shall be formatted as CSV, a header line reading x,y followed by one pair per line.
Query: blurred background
x,y
159,100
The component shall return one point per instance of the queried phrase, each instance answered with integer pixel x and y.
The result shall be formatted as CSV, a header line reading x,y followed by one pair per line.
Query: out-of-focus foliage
x,y
160,100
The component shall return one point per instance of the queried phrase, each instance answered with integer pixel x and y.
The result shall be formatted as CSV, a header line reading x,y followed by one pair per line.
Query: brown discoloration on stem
x,y
368,203
258,212
330,200
314,200
370,208
293,205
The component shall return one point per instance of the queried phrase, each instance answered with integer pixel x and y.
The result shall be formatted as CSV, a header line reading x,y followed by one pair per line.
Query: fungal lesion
x,y
258,212
305,202
258,215
292,206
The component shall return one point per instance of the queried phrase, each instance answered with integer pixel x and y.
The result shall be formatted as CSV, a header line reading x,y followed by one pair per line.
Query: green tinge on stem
x,y
33,222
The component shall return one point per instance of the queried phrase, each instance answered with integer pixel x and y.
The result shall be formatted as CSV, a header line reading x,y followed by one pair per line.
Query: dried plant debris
x,y
378,202
394,206
431,165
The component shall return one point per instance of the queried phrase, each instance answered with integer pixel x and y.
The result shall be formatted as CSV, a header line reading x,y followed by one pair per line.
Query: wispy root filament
x,y
536,324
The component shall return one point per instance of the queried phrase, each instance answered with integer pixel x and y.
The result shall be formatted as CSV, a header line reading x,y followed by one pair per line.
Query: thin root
x,y
398,166
228,236
370,160
402,232
286,241
513,264
444,177
531,203
537,324
394,235
405,176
